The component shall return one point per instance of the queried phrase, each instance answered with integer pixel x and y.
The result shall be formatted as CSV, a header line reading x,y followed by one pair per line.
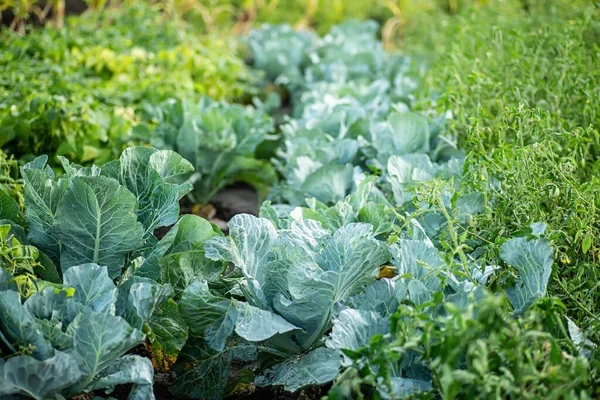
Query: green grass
x,y
523,90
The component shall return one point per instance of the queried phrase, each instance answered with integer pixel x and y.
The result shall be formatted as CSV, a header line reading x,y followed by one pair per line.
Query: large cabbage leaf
x,y
292,281
102,216
533,260
79,342
219,140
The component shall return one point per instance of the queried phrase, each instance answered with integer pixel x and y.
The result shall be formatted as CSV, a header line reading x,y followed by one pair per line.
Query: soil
x,y
235,199
162,382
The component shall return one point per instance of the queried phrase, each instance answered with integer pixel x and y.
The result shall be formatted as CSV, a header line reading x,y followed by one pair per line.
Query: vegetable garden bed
x,y
327,219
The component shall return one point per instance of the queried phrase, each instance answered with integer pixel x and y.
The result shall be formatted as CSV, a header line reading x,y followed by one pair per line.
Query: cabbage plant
x,y
107,216
219,140
282,296
74,338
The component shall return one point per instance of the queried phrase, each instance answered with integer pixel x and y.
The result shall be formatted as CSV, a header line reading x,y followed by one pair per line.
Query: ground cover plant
x,y
72,224
10,184
220,141
81,91
528,149
429,229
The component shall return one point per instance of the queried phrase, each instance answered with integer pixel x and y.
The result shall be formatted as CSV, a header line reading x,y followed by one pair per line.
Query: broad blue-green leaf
x,y
185,260
169,164
145,172
216,318
6,282
207,315
72,169
96,223
379,297
249,242
303,236
129,369
41,195
419,259
315,368
19,328
255,325
418,293
533,260
49,304
310,301
346,262
403,133
93,287
538,228
584,345
99,339
144,296
186,236
26,376
382,217
330,183
52,329
355,256
353,329
167,333
201,372
47,270
404,171
46,304
247,247
468,205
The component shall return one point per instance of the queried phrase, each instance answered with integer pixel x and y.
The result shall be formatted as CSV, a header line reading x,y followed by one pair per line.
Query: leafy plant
x,y
279,50
350,103
9,182
75,339
475,352
102,216
530,154
107,216
219,140
367,204
446,333
82,91
286,287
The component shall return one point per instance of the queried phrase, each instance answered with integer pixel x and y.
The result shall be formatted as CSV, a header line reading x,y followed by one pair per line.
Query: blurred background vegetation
x,y
396,17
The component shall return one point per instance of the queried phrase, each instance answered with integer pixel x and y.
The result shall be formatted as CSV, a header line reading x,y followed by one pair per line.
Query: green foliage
x,y
19,260
102,216
219,140
475,353
550,52
285,289
10,183
108,215
478,240
522,88
75,342
81,91
349,102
